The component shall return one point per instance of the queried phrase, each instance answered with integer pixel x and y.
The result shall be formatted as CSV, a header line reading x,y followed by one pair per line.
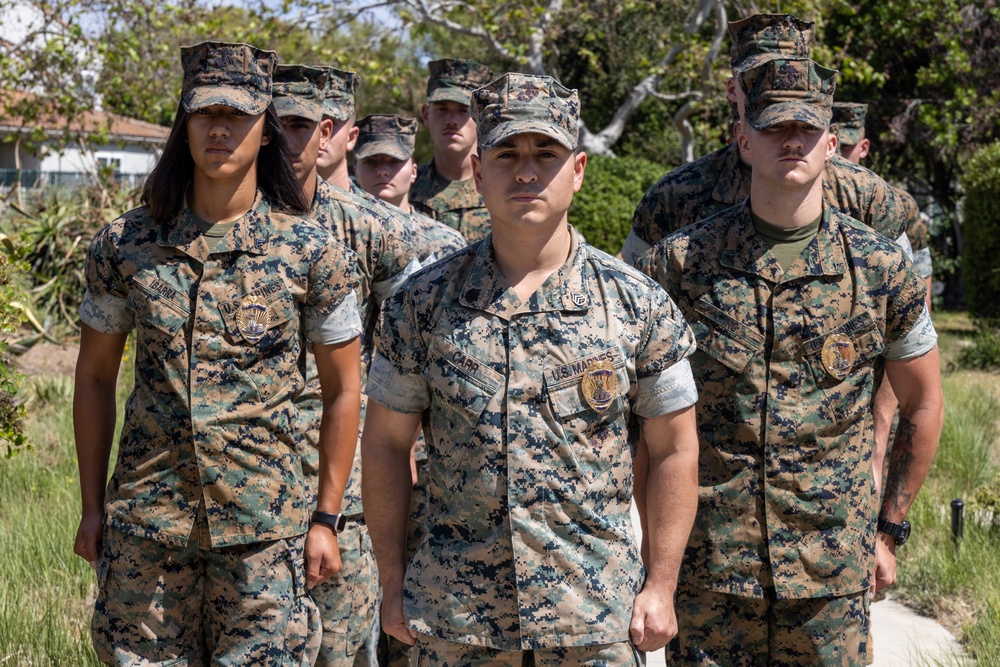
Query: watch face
x,y
904,533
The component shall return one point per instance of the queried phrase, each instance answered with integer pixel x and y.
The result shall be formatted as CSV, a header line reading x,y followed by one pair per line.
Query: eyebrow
x,y
544,143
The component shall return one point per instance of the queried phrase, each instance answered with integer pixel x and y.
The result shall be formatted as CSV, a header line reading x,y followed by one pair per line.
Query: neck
x,y
453,166
787,208
223,200
337,175
528,257
402,202
308,184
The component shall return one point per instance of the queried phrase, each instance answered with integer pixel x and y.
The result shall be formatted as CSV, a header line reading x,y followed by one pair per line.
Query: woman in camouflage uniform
x,y
201,540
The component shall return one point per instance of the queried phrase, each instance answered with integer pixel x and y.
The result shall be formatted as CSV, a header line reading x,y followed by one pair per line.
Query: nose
x,y
527,171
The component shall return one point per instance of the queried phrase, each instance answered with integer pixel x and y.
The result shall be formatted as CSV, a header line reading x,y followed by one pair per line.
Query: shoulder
x,y
868,247
855,174
131,229
703,170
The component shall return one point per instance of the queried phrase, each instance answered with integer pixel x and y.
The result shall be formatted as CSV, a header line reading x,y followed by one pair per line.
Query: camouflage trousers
x,y
349,603
195,605
735,631
435,652
398,653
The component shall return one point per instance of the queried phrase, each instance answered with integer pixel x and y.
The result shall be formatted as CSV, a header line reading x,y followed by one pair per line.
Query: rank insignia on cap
x,y
252,318
600,385
838,356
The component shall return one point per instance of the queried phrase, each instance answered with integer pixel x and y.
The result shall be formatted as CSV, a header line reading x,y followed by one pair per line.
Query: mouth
x,y
218,150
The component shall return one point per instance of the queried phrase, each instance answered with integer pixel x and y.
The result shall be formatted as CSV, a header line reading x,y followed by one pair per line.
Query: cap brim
x,y
756,60
781,112
459,95
390,148
849,136
247,101
336,112
290,106
504,131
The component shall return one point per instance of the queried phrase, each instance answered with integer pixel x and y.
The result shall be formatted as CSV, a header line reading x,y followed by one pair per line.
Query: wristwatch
x,y
334,522
899,532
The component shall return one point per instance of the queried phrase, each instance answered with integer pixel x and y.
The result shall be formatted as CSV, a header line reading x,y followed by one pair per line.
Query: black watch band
x,y
334,522
899,532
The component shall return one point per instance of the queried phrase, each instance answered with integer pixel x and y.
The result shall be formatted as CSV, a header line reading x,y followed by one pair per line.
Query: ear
x,y
325,132
743,140
424,111
265,139
477,172
413,172
831,144
864,148
731,89
579,167
352,137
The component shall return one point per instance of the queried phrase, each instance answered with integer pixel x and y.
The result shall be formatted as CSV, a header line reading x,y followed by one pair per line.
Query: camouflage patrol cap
x,y
763,37
340,87
849,122
454,80
788,89
384,134
520,103
235,75
299,91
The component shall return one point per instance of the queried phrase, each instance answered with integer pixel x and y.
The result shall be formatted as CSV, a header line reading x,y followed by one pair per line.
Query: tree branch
x,y
428,14
536,51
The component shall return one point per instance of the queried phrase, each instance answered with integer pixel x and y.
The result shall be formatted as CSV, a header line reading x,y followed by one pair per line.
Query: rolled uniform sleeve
x,y
394,379
330,314
663,374
909,332
104,307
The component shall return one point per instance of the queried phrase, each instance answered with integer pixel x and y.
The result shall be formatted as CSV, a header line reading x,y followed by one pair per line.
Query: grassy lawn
x,y
46,592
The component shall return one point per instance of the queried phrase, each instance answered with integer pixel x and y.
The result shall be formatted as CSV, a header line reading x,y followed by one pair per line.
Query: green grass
x,y
959,584
46,591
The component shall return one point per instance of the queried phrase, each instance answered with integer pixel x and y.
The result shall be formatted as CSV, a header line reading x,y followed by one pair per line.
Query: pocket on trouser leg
x,y
304,631
99,635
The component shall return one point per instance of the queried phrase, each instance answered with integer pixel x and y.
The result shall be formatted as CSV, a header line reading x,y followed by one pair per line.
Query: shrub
x,y
11,316
602,210
981,227
984,351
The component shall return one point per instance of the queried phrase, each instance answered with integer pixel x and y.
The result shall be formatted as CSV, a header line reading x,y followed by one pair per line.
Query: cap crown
x,y
386,134
848,122
788,89
235,75
454,80
519,103
764,37
299,91
340,87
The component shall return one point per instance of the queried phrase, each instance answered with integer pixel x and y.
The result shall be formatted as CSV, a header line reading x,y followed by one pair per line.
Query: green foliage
x,y
602,210
12,410
983,352
981,227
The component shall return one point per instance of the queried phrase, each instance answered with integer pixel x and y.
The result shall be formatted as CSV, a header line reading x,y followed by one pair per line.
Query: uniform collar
x,y
487,289
250,234
732,186
745,251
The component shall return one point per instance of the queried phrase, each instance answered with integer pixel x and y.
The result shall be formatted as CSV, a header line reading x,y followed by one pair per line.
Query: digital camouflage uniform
x,y
849,126
787,365
348,601
530,544
719,180
457,204
208,472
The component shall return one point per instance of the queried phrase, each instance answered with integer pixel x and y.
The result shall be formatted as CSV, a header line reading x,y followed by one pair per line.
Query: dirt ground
x,y
46,359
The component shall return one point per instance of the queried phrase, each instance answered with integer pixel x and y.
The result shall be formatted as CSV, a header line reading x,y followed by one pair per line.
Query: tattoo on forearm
x,y
901,460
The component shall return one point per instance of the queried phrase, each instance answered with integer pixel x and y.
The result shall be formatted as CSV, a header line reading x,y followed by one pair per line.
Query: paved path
x,y
901,637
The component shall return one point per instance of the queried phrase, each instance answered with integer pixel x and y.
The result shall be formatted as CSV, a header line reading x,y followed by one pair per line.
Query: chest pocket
x,y
465,386
594,440
159,309
723,338
848,398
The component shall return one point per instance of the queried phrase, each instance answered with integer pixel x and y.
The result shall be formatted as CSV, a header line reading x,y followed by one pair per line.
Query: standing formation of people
x,y
355,440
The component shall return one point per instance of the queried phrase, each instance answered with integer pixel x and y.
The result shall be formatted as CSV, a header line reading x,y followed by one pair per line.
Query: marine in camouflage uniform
x,y
849,126
207,508
527,399
456,203
721,179
384,252
779,563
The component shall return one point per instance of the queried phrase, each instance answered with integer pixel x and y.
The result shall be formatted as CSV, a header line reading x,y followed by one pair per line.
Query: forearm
x,y
94,416
338,442
883,412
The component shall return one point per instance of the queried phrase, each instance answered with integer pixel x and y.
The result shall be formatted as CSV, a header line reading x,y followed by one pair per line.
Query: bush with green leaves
x,y
12,410
983,352
602,210
981,227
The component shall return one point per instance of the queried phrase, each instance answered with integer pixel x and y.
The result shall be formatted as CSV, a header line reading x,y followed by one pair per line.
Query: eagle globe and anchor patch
x,y
838,355
599,385
252,318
